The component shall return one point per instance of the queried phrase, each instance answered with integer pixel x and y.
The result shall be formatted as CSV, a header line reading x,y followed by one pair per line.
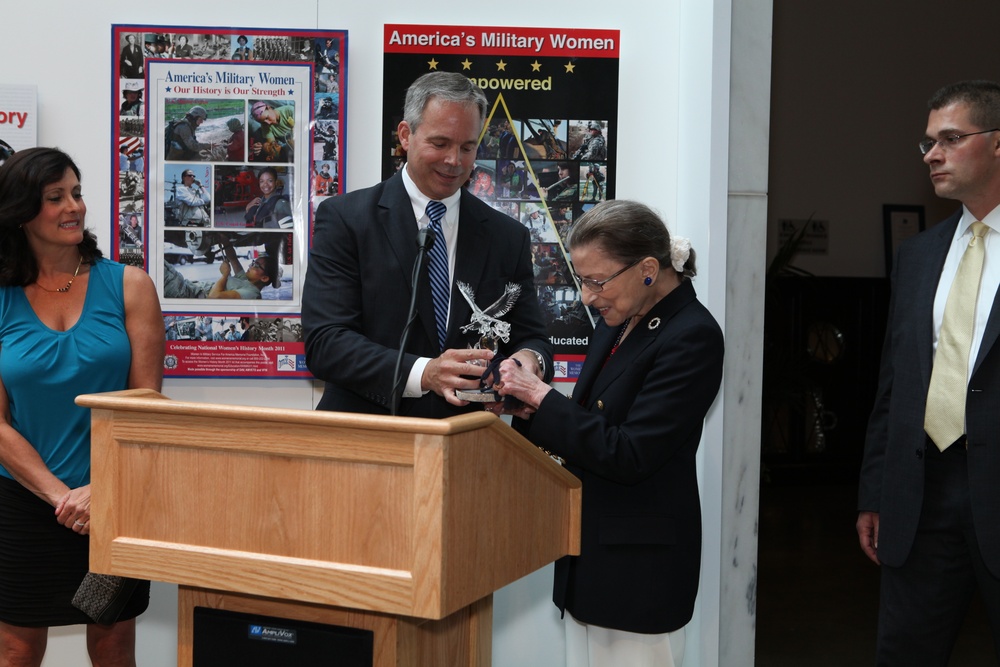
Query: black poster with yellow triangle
x,y
547,152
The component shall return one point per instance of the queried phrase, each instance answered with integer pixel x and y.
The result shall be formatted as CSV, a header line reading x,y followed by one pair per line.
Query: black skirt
x,y
42,563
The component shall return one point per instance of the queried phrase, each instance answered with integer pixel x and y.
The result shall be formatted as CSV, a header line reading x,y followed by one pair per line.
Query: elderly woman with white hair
x,y
630,432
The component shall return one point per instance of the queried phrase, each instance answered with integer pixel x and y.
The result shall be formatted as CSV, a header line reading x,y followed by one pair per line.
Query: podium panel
x,y
253,640
401,526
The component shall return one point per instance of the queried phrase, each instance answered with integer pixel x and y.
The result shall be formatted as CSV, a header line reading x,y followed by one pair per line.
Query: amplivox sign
x,y
276,635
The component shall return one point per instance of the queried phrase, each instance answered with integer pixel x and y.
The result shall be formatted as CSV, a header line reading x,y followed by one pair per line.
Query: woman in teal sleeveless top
x,y
71,323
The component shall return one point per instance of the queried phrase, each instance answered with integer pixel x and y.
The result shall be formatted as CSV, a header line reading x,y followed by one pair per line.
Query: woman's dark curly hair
x,y
22,179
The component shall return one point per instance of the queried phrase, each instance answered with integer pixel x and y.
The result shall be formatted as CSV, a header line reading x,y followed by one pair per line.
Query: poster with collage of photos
x,y
547,153
228,139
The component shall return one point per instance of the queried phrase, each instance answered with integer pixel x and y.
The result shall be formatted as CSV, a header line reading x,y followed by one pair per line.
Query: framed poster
x,y
18,119
900,223
227,140
547,153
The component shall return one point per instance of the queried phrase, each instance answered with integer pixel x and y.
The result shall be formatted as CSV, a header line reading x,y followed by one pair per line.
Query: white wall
x,y
669,77
850,86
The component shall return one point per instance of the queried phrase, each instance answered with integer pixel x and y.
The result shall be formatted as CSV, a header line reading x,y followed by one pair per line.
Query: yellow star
x,y
466,64
570,67
536,66
432,64
501,66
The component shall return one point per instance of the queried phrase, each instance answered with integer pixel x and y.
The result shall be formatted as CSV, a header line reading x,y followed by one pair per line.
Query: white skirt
x,y
594,646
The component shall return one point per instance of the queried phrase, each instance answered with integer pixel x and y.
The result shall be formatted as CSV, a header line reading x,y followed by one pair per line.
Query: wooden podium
x,y
401,526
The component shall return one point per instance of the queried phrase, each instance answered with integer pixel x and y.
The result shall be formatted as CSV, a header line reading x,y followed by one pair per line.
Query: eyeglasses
x,y
256,264
598,285
950,141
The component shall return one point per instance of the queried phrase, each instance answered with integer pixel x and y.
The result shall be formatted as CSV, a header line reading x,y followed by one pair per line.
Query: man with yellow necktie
x,y
929,494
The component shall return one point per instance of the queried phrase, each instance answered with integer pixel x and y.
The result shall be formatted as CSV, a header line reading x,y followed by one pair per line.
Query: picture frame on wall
x,y
900,222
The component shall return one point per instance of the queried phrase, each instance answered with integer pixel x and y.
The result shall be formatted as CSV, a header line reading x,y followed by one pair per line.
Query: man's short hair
x,y
982,97
446,86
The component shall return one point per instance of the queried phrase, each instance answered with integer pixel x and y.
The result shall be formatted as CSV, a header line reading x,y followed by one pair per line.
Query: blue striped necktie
x,y
438,269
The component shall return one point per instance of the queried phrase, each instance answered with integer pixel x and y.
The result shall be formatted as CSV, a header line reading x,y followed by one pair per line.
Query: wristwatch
x,y
538,357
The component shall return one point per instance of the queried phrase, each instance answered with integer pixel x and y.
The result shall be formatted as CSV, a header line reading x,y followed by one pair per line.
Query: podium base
x,y
463,639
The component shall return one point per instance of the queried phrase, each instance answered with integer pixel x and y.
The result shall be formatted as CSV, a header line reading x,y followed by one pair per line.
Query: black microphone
x,y
425,240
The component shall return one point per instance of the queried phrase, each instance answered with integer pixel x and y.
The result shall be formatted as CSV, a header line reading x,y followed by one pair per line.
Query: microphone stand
x,y
425,239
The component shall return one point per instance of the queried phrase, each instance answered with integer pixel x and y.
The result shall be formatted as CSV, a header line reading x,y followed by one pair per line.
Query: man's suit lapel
x,y
929,275
601,341
596,375
395,215
991,332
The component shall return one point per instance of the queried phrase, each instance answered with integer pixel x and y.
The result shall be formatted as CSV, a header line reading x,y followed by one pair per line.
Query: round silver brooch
x,y
653,324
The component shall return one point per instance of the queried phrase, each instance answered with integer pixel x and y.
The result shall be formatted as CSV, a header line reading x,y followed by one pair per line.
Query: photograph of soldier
x,y
550,265
155,46
272,131
507,145
325,138
545,139
327,107
181,139
130,61
132,126
129,229
136,159
132,98
565,315
324,181
587,140
234,187
131,185
282,48
481,181
509,208
592,178
533,216
130,235
563,188
198,129
236,144
243,49
199,46
182,49
188,202
252,265
271,208
562,218
273,330
512,179
327,53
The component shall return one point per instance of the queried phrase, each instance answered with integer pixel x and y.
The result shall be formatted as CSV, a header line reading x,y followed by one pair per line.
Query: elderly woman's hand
x,y
519,382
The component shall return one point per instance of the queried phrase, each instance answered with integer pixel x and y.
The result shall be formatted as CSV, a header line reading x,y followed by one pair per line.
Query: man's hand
x,y
454,369
868,534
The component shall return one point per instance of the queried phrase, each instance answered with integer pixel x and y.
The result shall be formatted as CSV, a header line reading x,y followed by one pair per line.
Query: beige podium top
x,y
416,517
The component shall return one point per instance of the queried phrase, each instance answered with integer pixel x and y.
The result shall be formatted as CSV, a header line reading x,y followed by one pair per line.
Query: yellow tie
x,y
944,419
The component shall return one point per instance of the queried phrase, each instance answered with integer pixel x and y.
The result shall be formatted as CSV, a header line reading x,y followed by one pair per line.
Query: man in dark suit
x,y
930,508
358,287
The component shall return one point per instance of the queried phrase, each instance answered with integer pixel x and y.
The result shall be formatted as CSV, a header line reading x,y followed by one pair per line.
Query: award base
x,y
478,395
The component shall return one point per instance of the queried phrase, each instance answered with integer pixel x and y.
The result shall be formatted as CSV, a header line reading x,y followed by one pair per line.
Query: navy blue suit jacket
x,y
631,433
358,288
892,473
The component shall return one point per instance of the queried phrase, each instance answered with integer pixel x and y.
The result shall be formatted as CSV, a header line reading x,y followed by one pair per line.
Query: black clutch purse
x,y
102,597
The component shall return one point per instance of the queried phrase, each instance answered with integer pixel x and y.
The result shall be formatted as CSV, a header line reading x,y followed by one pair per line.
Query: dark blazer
x,y
630,433
892,473
358,288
